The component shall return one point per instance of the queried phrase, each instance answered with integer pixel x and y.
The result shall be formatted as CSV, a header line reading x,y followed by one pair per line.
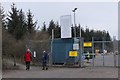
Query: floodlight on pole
x,y
74,9
74,22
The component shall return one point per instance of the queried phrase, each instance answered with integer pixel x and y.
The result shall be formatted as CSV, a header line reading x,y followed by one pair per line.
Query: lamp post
x,y
74,22
51,58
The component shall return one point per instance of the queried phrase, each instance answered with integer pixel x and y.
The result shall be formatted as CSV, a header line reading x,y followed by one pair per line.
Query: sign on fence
x,y
75,46
87,44
73,53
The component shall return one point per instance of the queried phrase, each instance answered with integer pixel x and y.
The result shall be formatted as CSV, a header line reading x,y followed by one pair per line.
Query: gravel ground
x,y
63,72
89,72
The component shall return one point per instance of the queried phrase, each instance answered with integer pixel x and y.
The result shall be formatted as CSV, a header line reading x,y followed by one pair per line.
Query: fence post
x,y
93,50
115,45
81,52
114,59
103,51
14,60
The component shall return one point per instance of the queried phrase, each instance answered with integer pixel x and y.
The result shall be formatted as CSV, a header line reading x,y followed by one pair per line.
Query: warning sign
x,y
73,53
75,46
87,44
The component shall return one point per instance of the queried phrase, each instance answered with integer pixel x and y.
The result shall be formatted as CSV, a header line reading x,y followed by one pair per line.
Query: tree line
x,y
18,28
18,25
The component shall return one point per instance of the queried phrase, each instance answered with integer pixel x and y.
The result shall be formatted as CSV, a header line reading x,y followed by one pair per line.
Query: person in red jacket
x,y
27,59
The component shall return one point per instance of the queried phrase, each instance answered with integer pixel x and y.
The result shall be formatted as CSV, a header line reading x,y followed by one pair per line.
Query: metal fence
x,y
108,59
106,56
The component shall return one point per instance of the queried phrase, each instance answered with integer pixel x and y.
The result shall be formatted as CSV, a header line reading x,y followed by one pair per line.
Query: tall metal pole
x,y
74,26
51,55
81,50
74,22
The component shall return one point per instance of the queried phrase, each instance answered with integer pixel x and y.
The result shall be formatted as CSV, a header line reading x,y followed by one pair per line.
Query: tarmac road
x,y
64,72
89,72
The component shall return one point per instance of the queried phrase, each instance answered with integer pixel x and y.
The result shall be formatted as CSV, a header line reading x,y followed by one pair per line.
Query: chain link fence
x,y
102,58
106,54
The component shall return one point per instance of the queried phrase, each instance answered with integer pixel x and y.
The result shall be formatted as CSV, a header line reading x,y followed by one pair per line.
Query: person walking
x,y
44,60
27,59
88,57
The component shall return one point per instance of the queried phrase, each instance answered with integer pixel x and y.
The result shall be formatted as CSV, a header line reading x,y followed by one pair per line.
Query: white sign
x,y
65,23
75,46
34,53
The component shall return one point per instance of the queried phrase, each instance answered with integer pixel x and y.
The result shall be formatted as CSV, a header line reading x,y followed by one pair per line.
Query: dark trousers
x,y
44,65
27,65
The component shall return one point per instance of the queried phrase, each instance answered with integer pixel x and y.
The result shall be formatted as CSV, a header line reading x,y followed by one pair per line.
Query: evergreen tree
x,y
57,31
51,26
78,28
77,31
30,24
87,35
2,13
108,36
44,27
13,19
91,33
72,31
57,25
16,22
21,27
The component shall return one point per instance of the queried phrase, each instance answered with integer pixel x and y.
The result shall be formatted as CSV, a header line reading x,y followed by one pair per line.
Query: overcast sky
x,y
95,15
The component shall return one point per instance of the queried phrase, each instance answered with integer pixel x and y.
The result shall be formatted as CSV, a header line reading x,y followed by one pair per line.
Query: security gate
x,y
109,60
107,55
